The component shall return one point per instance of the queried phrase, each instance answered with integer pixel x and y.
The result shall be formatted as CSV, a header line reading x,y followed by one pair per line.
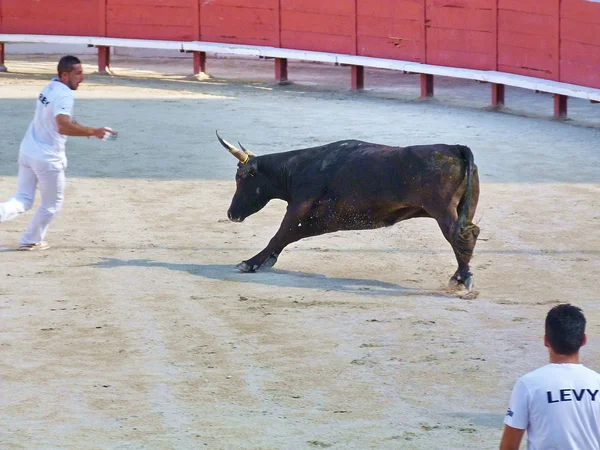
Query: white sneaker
x,y
33,247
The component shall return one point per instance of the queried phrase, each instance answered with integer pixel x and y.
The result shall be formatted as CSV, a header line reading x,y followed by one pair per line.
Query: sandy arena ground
x,y
135,332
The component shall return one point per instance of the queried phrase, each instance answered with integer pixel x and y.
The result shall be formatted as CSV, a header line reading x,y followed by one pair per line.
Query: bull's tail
x,y
466,232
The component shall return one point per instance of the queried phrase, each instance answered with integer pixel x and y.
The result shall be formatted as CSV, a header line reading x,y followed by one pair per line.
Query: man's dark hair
x,y
66,63
565,328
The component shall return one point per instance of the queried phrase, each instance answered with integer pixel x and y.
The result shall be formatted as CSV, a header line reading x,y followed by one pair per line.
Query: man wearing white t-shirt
x,y
558,404
42,158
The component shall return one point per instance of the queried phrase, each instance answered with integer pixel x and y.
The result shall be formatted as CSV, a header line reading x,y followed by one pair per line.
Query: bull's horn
x,y
239,154
248,152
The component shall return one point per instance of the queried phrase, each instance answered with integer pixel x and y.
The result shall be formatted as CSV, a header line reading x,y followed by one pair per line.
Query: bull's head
x,y
254,189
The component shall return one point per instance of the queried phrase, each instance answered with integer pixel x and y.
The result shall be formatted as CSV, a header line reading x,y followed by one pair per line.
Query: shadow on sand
x,y
277,278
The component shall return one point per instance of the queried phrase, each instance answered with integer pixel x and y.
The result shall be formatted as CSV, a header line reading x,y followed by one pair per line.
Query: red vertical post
x,y
199,63
426,79
497,95
2,66
358,77
497,89
104,60
426,85
199,58
281,72
560,106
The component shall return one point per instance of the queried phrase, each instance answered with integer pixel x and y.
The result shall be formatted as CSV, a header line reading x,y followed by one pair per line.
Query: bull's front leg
x,y
294,227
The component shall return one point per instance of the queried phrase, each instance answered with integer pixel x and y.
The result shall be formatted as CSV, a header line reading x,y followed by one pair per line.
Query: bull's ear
x,y
250,167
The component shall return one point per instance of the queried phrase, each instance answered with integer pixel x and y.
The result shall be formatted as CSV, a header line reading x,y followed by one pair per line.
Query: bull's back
x,y
360,185
377,172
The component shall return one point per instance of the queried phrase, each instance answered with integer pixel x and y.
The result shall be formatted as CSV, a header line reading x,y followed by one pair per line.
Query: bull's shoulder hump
x,y
346,145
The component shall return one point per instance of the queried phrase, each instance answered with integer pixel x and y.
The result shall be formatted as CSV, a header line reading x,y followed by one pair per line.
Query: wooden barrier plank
x,y
511,39
529,6
580,73
50,27
183,3
335,8
317,23
461,18
584,11
585,53
539,64
518,70
234,16
397,9
393,48
150,15
243,4
467,4
456,58
101,21
390,28
459,40
251,35
236,24
312,41
509,79
533,24
49,9
580,31
152,32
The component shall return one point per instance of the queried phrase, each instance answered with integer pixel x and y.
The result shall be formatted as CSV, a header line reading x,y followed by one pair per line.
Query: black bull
x,y
355,185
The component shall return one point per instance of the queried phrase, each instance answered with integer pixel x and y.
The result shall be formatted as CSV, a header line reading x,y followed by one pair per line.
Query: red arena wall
x,y
553,39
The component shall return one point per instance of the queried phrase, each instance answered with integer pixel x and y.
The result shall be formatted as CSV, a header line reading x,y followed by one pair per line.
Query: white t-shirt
x,y
42,139
559,405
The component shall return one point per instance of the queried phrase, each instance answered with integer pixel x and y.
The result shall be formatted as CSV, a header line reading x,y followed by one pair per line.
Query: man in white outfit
x,y
42,158
559,403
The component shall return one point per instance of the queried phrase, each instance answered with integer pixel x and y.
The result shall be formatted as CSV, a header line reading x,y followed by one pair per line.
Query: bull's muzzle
x,y
233,219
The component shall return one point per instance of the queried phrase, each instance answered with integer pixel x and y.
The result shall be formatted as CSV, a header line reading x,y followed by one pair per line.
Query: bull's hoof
x,y
248,267
453,283
269,262
468,283
456,282
244,267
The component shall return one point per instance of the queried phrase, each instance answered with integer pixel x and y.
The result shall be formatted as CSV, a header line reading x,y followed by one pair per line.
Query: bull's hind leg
x,y
462,239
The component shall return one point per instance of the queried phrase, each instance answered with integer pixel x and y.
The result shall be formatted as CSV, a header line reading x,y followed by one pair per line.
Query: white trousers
x,y
50,175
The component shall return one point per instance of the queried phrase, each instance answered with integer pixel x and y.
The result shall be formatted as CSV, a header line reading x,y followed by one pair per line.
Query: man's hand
x,y
100,132
69,127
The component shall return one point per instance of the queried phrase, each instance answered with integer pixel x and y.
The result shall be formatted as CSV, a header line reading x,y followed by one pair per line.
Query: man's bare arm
x,y
511,438
69,127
